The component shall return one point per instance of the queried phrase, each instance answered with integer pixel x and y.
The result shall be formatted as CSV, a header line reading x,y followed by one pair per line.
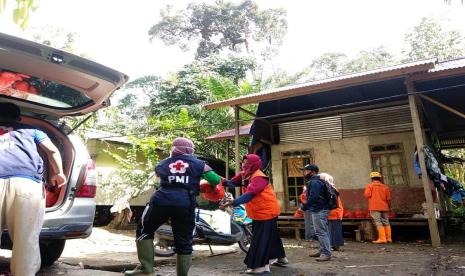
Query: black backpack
x,y
331,195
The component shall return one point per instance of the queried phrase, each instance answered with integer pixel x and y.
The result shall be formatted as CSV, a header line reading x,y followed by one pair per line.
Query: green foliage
x,y
333,64
55,37
220,26
328,65
132,177
188,87
459,212
455,170
429,39
369,60
22,11
149,85
282,78
58,38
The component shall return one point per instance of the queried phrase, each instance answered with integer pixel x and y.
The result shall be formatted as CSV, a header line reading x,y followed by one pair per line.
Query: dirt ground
x,y
115,251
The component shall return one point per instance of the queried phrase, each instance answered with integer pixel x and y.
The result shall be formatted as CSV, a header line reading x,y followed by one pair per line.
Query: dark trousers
x,y
182,224
265,244
335,231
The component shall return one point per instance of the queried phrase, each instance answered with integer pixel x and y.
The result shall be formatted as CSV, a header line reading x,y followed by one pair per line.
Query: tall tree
x,y
430,39
328,65
369,59
185,87
220,26
333,64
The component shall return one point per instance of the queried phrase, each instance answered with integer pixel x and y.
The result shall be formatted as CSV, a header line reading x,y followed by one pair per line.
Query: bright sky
x,y
114,32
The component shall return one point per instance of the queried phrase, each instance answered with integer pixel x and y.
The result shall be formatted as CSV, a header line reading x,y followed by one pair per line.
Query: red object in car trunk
x,y
51,196
88,187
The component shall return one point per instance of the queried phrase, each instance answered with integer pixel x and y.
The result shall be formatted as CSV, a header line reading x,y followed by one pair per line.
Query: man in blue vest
x,y
22,202
180,176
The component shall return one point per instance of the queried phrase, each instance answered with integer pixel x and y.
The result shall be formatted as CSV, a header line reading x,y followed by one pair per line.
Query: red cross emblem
x,y
178,167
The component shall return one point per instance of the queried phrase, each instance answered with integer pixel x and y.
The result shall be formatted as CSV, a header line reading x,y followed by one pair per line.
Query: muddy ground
x,y
111,252
401,258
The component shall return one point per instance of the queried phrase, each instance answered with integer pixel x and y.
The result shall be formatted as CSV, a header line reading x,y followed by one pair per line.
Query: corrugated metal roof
x,y
448,65
230,133
329,84
443,69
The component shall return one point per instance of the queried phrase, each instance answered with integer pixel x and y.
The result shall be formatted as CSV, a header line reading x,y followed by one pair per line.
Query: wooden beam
x,y
237,124
226,173
247,112
432,222
450,109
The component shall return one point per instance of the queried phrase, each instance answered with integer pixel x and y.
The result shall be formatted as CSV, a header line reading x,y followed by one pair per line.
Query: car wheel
x,y
50,251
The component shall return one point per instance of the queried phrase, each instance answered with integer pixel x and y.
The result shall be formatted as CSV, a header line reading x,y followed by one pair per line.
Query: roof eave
x,y
343,82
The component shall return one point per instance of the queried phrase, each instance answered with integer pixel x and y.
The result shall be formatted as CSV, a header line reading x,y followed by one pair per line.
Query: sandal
x,y
280,263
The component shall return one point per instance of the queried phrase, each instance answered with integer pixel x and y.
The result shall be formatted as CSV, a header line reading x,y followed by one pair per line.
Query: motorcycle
x,y
204,233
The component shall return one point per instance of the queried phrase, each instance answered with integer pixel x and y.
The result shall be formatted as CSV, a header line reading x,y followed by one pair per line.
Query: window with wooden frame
x,y
389,160
294,179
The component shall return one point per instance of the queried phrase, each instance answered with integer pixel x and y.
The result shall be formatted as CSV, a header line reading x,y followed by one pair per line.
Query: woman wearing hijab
x,y
334,218
262,206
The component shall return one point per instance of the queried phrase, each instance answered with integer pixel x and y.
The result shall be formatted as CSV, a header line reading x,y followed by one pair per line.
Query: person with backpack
x,y
334,217
379,205
317,203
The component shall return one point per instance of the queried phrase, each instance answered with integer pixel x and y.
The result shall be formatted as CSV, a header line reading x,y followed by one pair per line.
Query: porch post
x,y
237,124
226,173
418,131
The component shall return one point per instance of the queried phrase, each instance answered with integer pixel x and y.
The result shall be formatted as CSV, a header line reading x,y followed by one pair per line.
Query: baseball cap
x,y
311,167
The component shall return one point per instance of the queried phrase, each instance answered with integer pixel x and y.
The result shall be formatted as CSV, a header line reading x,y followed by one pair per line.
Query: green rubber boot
x,y
183,263
145,254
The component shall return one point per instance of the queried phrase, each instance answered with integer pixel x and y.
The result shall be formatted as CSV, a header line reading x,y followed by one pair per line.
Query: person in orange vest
x,y
262,206
310,235
379,205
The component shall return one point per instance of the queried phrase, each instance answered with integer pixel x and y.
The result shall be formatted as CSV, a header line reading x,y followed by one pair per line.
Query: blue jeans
x,y
320,222
309,229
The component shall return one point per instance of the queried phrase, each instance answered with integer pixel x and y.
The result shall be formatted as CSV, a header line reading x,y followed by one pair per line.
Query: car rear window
x,y
40,91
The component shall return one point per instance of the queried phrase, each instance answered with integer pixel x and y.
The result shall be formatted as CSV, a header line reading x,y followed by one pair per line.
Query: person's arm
x,y
368,191
211,176
244,198
256,186
58,178
235,181
314,194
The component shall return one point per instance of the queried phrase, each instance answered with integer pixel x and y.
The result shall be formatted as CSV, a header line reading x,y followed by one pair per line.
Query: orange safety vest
x,y
264,205
338,212
378,195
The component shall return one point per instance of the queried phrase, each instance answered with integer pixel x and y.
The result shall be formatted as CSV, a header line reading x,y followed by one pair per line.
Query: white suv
x,y
48,84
